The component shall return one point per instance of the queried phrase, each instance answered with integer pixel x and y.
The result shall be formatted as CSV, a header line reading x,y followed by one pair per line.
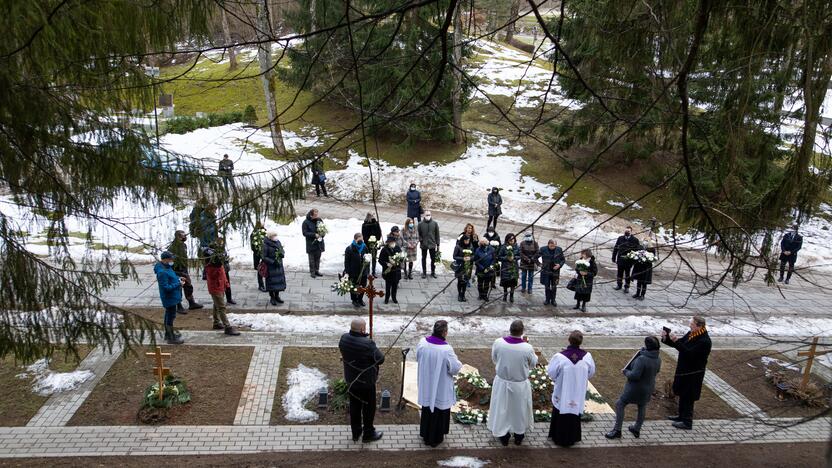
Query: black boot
x,y
228,298
229,330
192,304
277,297
170,336
548,295
180,310
583,307
511,296
577,306
505,294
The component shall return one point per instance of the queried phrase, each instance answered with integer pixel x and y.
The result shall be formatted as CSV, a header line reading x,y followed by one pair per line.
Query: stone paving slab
x,y
206,440
258,395
60,407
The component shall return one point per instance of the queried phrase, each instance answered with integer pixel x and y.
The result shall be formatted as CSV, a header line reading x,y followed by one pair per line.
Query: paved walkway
x,y
207,440
256,401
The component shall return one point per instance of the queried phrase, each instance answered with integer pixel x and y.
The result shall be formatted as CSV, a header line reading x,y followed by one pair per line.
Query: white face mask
x,y
427,218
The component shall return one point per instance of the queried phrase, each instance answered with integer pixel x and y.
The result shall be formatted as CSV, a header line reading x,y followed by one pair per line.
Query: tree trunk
x,y
264,55
456,93
226,32
510,28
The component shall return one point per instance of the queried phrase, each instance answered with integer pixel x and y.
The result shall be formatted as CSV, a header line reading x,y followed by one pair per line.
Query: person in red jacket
x,y
217,284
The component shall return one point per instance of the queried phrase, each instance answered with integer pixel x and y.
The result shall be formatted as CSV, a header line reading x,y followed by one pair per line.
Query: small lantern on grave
x,y
385,401
323,398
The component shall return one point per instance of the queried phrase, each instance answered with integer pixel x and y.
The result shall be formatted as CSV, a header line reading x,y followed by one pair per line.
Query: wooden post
x,y
811,355
371,293
160,370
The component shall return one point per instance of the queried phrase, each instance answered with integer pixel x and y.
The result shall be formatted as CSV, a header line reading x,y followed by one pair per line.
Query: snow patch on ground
x,y
46,382
767,361
495,326
463,462
304,383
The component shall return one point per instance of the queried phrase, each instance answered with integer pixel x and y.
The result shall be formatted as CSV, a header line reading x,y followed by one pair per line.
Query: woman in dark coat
x,y
484,258
509,266
643,274
273,257
356,267
258,235
495,206
371,230
583,285
641,381
390,270
414,203
463,265
552,260
694,349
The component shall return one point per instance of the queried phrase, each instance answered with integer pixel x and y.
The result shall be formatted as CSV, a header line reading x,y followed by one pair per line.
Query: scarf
x,y
513,340
435,340
696,334
573,353
360,248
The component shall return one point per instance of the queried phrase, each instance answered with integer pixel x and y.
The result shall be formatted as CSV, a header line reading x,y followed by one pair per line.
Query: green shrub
x,y
185,123
249,115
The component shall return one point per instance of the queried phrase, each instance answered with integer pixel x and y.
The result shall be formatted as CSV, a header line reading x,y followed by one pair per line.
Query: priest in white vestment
x,y
438,365
570,371
511,395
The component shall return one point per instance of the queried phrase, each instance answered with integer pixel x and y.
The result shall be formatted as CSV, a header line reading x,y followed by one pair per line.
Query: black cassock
x,y
434,425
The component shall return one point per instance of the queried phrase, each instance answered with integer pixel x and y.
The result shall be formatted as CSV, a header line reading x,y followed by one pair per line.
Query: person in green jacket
x,y
179,249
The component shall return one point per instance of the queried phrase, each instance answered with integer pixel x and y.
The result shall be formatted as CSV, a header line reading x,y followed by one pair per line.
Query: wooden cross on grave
x,y
160,371
811,355
371,293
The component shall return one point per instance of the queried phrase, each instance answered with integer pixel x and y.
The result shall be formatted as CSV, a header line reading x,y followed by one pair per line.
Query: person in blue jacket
x,y
170,293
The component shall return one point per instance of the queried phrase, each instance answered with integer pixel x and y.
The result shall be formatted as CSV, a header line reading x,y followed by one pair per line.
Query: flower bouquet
x,y
438,257
473,378
368,258
582,264
396,260
344,286
471,416
373,244
321,230
640,256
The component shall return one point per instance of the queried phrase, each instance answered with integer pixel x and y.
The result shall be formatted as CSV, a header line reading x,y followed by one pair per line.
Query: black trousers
x,y
390,289
362,411
790,260
484,285
320,187
625,268
492,219
461,285
314,262
432,260
641,288
686,408
188,287
551,288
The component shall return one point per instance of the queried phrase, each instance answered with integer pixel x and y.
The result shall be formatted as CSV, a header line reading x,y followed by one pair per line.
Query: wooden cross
x,y
160,371
371,293
811,355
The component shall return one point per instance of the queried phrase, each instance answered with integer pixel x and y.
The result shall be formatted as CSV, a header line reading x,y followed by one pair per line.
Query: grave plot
x,y
213,375
323,365
476,390
751,372
27,386
610,382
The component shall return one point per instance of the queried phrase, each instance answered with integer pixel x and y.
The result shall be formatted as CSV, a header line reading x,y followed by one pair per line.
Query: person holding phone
x,y
694,349
641,374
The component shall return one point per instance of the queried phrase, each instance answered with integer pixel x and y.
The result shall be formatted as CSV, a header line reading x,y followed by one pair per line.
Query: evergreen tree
x,y
66,67
398,57
627,55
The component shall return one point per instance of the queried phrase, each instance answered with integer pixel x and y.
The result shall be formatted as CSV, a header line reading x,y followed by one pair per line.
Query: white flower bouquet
x,y
321,230
398,258
641,256
473,378
539,379
582,264
471,416
344,286
368,258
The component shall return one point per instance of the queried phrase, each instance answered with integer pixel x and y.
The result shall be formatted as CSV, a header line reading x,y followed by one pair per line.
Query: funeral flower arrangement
x,y
471,416
542,415
539,379
473,378
174,392
343,286
640,256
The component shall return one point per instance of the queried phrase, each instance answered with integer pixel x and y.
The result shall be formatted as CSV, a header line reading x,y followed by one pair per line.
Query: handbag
x,y
572,284
321,177
263,269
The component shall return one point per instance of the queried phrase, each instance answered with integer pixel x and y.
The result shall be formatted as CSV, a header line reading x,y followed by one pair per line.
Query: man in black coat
x,y
495,207
361,361
694,349
314,242
357,267
790,244
624,245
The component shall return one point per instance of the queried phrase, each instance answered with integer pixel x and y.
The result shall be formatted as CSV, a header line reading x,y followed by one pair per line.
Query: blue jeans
x,y
526,276
170,315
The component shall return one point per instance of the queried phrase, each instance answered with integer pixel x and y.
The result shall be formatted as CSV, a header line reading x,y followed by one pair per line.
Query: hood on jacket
x,y
161,266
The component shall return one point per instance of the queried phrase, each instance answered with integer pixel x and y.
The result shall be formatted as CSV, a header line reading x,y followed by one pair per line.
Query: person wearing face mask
x,y
529,252
495,203
429,241
273,257
414,203
170,293
314,242
397,234
789,245
509,266
553,260
356,268
217,285
494,240
371,229
463,265
624,245
484,258
390,270
410,239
